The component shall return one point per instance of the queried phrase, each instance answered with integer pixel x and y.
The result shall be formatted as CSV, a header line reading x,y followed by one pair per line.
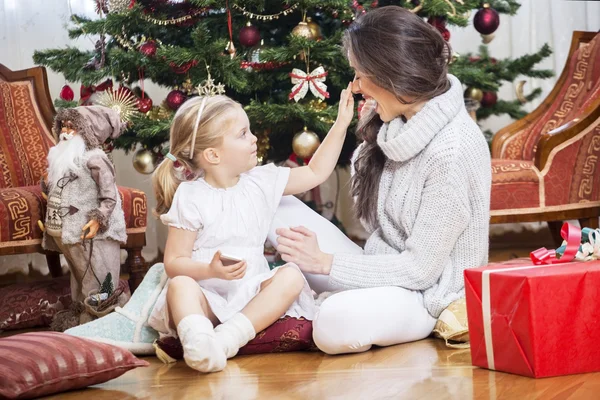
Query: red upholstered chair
x,y
546,167
26,115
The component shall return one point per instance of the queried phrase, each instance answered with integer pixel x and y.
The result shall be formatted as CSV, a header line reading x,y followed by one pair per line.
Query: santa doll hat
x,y
95,124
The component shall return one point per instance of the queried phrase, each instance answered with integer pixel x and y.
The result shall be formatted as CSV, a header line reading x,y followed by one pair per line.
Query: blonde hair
x,y
185,125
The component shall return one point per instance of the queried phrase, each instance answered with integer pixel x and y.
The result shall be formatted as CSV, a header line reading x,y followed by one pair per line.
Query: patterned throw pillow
x,y
44,363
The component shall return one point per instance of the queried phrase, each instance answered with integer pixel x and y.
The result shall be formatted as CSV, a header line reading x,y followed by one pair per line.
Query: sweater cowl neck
x,y
401,141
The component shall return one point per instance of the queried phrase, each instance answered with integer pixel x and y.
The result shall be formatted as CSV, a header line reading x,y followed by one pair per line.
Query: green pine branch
x,y
513,108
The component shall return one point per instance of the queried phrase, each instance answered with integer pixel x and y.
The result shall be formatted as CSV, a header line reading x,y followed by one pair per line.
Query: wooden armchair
x,y
546,167
26,115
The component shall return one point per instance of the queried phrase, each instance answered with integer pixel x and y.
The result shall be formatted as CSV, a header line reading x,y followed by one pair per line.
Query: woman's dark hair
x,y
404,55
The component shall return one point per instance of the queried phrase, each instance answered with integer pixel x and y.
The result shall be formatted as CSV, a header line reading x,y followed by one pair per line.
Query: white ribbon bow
x,y
304,81
591,249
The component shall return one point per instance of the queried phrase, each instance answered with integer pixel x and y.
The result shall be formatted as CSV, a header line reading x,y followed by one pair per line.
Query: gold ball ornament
x,y
474,93
314,28
303,30
144,161
305,143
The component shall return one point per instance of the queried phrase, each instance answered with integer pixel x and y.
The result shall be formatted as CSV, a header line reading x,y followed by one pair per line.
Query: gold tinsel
x,y
265,17
172,21
118,6
263,145
159,113
317,105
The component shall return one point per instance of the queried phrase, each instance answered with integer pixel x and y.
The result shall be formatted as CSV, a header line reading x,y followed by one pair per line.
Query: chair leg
x,y
555,227
53,260
137,267
592,222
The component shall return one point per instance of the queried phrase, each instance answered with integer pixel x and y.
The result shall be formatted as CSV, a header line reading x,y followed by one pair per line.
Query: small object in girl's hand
x,y
227,260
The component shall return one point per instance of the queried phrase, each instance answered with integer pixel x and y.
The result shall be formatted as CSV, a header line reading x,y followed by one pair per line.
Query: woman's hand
x,y
299,246
229,272
346,108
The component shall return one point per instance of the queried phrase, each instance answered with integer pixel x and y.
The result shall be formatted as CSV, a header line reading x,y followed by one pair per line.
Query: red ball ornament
x,y
183,68
175,99
486,20
489,99
145,105
148,49
438,22
445,34
249,35
66,93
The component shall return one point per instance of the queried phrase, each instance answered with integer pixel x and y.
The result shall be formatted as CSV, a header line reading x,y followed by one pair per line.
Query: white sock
x,y
234,334
201,350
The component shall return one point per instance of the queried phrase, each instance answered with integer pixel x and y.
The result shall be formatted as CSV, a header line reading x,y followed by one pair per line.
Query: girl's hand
x,y
228,273
299,246
346,107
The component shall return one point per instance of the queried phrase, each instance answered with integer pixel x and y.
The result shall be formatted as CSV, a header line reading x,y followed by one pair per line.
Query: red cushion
x,y
43,363
285,335
515,184
28,305
21,208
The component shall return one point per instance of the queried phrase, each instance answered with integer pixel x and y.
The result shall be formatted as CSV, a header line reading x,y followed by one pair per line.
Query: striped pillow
x,y
42,363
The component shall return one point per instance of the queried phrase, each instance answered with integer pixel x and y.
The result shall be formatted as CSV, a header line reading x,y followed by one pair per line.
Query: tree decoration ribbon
x,y
304,81
87,91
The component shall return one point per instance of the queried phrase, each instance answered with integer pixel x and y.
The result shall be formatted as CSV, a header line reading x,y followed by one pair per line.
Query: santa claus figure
x,y
84,218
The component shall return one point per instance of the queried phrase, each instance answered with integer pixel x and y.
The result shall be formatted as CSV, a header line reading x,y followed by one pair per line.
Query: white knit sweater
x,y
433,206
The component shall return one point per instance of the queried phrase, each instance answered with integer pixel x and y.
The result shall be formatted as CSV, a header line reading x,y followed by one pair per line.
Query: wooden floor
x,y
420,370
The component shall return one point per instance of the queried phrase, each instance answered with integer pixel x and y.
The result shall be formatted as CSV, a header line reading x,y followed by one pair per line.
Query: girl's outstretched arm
x,y
325,159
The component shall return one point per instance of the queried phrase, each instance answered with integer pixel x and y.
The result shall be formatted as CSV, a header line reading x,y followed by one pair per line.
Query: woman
x,y
421,184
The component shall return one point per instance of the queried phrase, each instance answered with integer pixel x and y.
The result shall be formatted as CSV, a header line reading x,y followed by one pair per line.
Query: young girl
x,y
219,203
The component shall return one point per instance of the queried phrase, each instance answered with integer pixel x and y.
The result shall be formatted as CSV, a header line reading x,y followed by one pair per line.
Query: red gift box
x,y
536,320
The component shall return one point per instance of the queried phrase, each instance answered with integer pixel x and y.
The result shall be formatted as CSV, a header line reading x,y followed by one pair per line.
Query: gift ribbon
x,y
541,258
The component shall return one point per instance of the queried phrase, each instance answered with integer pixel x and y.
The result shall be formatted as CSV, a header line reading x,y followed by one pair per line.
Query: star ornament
x,y
208,87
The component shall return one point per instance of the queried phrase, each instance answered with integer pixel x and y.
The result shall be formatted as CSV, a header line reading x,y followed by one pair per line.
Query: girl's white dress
x,y
236,221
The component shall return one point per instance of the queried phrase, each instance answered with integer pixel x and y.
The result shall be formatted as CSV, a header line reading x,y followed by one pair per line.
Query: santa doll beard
x,y
64,158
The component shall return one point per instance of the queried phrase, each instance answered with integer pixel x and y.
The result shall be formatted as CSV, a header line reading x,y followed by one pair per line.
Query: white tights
x,y
354,320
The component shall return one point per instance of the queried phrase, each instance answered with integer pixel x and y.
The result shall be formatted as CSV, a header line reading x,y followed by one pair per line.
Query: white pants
x,y
354,320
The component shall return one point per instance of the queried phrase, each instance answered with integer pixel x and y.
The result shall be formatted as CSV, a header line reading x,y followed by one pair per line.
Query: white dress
x,y
236,221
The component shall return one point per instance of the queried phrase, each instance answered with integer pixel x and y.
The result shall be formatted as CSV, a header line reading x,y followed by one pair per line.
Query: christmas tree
x,y
280,59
